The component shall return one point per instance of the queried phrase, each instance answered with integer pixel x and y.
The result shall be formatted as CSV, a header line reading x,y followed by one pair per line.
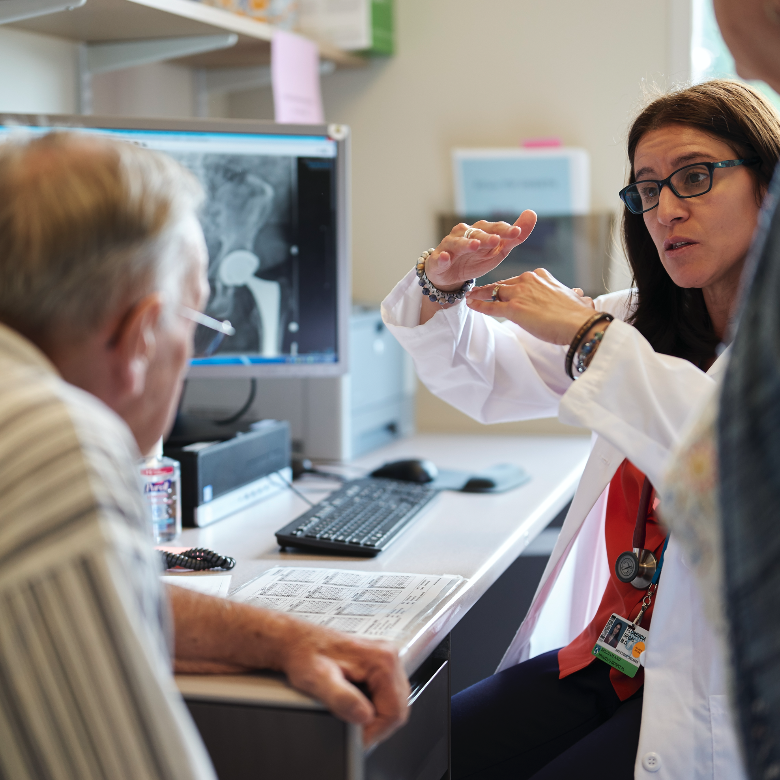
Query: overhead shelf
x,y
103,21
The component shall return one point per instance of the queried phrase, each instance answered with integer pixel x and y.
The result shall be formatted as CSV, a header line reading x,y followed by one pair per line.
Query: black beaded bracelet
x,y
432,292
580,335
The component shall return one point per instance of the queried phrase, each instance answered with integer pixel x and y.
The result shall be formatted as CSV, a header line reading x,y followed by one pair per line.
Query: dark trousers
x,y
525,722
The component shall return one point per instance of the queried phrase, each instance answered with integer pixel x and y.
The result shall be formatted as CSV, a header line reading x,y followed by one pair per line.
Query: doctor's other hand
x,y
538,303
458,259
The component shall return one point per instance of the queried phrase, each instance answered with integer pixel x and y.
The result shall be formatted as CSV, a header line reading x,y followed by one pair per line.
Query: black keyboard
x,y
363,517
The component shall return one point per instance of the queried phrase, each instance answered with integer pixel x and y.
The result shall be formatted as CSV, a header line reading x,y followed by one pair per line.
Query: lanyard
x,y
657,575
648,599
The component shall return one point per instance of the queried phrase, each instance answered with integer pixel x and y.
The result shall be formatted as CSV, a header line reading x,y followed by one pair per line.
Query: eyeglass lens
x,y
207,341
686,183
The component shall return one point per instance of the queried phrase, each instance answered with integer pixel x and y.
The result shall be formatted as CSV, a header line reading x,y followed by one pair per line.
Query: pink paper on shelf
x,y
542,143
295,75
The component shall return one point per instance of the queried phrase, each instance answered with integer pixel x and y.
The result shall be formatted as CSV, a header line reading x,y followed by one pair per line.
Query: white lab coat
x,y
637,403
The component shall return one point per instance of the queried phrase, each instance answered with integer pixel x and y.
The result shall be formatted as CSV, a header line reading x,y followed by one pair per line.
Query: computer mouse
x,y
479,485
412,470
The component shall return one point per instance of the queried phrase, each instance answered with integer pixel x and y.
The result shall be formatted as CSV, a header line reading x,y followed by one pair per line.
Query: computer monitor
x,y
276,222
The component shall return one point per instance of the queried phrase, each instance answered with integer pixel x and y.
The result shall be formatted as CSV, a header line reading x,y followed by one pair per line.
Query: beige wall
x,y
480,74
158,90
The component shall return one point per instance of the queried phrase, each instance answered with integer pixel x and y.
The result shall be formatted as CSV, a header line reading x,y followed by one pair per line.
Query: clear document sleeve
x,y
382,605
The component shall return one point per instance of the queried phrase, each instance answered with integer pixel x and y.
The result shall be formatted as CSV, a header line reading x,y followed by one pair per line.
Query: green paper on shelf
x,y
364,26
382,32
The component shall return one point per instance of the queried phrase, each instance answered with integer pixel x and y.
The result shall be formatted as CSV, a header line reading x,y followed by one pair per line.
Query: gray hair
x,y
87,225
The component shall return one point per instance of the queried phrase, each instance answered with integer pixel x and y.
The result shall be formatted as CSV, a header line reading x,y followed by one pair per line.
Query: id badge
x,y
620,644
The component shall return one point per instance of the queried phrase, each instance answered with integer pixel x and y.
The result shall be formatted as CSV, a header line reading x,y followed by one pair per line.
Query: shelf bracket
x,y
220,81
106,57
16,10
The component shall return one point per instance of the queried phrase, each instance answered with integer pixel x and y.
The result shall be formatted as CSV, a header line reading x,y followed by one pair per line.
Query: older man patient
x,y
100,249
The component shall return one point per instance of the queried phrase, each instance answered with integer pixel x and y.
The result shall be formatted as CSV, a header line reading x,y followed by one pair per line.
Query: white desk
x,y
475,535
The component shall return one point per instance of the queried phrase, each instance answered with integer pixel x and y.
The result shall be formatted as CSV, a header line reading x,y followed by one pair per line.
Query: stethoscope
x,y
639,565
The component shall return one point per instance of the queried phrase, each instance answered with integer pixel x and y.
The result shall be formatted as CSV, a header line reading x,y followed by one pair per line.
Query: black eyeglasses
x,y
690,181
209,333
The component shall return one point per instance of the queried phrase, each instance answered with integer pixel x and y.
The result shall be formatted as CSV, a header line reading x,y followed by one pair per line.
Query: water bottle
x,y
161,479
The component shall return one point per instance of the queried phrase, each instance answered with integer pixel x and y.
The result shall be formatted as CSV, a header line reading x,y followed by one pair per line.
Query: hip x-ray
x,y
248,224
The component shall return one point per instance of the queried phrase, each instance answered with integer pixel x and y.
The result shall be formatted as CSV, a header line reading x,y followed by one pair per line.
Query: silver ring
x,y
494,295
469,232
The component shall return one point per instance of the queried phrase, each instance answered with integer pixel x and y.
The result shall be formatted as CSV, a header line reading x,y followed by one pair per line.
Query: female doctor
x,y
701,159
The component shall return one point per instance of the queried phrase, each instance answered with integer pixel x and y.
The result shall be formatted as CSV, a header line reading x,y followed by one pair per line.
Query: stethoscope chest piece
x,y
637,567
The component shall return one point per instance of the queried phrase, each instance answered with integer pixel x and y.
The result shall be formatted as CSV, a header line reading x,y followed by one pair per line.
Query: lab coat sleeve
x,y
637,399
493,371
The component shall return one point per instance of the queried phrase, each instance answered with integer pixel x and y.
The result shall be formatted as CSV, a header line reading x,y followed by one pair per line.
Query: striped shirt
x,y
86,689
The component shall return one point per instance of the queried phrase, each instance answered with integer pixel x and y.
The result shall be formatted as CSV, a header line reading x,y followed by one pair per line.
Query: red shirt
x,y
619,597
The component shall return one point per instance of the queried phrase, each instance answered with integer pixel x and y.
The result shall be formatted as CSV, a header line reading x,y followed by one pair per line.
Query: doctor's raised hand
x,y
471,251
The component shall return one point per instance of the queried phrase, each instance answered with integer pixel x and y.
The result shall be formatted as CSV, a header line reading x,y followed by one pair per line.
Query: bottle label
x,y
158,472
158,488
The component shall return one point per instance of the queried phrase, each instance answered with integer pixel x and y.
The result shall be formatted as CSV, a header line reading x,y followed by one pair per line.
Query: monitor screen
x,y
275,223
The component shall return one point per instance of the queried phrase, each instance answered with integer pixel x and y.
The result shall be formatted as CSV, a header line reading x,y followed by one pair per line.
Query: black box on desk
x,y
222,477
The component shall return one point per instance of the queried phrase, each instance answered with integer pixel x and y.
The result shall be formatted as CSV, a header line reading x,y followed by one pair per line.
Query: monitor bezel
x,y
340,134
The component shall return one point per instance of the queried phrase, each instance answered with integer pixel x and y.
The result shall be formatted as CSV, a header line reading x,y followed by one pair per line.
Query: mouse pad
x,y
496,479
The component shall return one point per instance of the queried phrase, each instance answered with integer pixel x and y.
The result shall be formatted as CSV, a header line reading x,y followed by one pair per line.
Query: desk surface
x,y
474,535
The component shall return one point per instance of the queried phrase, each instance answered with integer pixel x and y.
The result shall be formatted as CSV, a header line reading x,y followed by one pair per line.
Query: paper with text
x,y
382,605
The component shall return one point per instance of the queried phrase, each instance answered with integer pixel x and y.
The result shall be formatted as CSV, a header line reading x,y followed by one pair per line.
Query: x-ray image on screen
x,y
248,221
269,223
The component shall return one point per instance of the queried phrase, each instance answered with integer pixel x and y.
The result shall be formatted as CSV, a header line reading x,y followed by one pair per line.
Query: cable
x,y
294,489
244,409
303,466
198,559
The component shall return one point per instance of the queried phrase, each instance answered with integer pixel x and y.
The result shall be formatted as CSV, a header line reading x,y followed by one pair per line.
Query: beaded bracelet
x,y
432,292
580,335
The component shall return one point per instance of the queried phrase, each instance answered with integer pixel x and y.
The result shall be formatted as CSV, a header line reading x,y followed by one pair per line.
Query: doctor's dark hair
x,y
674,319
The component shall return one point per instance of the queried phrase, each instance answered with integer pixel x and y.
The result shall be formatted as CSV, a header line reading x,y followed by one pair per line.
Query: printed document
x,y
372,604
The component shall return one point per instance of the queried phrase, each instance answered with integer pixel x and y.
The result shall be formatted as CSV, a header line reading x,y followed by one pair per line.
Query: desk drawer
x,y
421,749
263,741
248,742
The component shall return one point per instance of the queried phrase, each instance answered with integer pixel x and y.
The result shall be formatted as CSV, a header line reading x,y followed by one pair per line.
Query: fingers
x,y
483,230
501,229
329,673
526,222
459,245
490,307
389,690
483,293
324,680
